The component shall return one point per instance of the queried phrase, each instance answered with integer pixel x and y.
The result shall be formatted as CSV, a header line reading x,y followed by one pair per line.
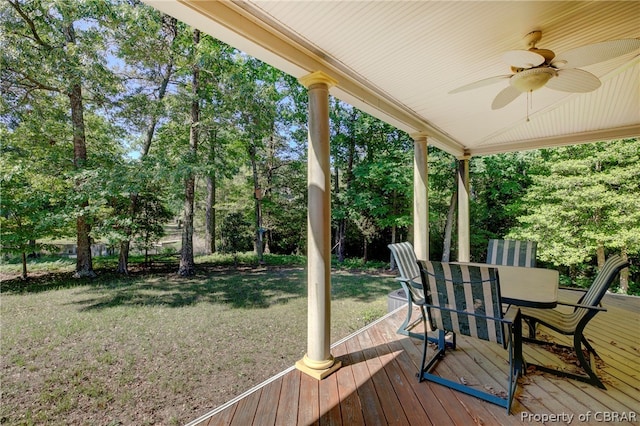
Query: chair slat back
x,y
407,266
512,253
464,299
600,284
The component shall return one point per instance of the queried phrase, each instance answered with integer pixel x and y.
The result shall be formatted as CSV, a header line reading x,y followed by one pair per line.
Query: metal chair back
x,y
467,299
512,253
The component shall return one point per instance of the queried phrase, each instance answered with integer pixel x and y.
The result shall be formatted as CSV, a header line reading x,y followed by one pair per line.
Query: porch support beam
x,y
420,196
318,361
464,234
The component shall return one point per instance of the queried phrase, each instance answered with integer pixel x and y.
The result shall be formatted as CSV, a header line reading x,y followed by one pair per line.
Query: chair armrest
x,y
411,282
512,314
581,290
577,305
512,327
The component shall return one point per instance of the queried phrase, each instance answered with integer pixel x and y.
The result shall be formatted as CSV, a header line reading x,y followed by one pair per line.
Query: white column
x,y
420,197
318,361
464,234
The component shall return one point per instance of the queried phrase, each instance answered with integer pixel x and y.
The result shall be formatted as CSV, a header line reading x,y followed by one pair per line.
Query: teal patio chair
x,y
465,299
574,323
409,277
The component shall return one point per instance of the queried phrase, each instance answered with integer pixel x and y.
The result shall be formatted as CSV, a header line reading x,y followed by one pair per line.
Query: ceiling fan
x,y
535,68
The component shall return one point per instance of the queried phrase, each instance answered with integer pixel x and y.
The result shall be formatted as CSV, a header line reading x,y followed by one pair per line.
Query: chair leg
x,y
407,325
586,365
442,345
589,347
531,323
425,374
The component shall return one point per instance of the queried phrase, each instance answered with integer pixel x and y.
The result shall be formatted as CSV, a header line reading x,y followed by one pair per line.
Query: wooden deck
x,y
377,384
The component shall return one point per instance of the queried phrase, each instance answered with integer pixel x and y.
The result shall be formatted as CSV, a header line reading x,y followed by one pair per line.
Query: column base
x,y
318,370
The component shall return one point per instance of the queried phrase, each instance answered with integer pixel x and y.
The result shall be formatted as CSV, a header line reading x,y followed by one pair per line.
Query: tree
x,y
585,201
58,49
220,155
26,207
344,153
498,184
187,264
148,79
380,195
257,114
443,197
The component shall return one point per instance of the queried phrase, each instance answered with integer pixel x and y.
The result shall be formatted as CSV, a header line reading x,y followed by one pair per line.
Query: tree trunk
x,y
257,196
342,224
84,265
446,246
210,215
600,255
24,266
365,249
123,258
392,259
624,274
187,265
210,209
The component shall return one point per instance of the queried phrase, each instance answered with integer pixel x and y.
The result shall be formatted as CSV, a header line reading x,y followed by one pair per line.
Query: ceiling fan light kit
x,y
535,68
532,79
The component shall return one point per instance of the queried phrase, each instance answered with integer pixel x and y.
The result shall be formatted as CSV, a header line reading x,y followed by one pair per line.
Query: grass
x,y
153,348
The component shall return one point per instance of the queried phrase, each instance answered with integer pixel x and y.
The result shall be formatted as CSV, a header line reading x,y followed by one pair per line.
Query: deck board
x,y
287,413
377,383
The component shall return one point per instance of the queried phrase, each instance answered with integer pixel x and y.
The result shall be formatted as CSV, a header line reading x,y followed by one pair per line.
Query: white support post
x,y
420,197
318,361
464,233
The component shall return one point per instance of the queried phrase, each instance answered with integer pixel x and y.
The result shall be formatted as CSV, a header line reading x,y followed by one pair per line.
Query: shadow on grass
x,y
239,288
244,287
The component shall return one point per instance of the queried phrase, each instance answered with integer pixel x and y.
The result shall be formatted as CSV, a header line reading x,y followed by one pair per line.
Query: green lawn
x,y
154,348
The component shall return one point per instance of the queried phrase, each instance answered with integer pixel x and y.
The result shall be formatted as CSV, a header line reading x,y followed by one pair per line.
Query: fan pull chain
x,y
529,103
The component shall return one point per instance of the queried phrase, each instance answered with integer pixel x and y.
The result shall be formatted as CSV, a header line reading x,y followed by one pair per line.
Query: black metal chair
x,y
465,299
574,323
512,253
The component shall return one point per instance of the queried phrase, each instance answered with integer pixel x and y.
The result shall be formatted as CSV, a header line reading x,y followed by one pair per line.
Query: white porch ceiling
x,y
398,60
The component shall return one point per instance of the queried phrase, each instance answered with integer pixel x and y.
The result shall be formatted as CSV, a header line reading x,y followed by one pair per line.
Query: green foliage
x,y
584,197
498,183
358,264
253,134
236,233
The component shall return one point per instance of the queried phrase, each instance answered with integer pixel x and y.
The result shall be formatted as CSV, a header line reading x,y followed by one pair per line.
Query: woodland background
x,y
117,120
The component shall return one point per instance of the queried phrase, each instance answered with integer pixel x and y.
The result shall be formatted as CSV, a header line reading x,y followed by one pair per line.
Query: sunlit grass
x,y
41,264
154,348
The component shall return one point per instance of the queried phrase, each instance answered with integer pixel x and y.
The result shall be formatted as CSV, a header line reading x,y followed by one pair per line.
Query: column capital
x,y
466,155
418,136
317,77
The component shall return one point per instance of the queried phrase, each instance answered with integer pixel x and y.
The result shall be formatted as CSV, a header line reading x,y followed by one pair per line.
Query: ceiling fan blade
x,y
480,83
522,58
574,81
505,97
594,53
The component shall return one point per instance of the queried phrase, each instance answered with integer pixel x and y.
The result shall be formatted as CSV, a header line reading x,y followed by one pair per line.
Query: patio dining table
x,y
525,286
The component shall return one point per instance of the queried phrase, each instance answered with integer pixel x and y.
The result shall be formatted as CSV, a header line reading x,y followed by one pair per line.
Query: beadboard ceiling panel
x,y
398,60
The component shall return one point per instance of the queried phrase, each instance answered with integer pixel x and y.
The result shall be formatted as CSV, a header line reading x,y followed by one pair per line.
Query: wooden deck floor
x,y
377,384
